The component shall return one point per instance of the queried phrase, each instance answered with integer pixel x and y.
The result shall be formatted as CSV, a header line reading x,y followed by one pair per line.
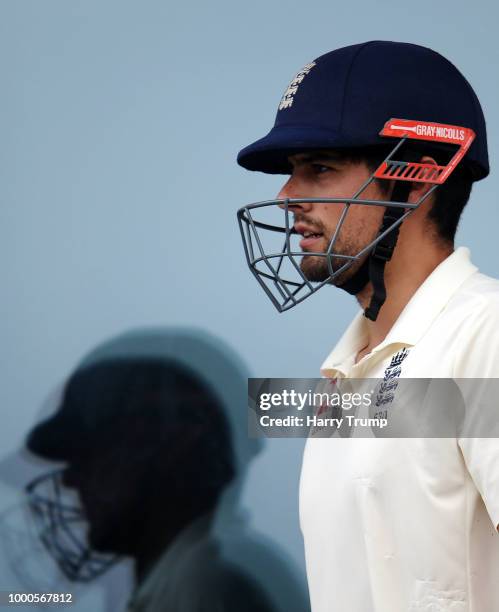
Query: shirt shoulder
x,y
476,306
479,287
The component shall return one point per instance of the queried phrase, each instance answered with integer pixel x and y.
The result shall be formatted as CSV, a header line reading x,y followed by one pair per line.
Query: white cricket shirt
x,y
409,525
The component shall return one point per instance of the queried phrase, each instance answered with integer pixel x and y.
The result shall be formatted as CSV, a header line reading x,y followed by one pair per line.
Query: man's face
x,y
106,500
325,174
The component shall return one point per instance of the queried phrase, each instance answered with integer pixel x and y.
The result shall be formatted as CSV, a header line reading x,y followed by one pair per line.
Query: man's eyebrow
x,y
316,156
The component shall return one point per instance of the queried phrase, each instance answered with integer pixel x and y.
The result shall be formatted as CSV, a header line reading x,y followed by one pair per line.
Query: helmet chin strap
x,y
357,281
373,268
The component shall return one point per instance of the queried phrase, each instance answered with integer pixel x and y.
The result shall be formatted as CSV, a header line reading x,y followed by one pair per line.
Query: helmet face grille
x,y
279,271
271,244
61,526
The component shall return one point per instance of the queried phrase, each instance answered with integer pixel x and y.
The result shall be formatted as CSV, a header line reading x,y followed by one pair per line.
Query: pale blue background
x,y
119,126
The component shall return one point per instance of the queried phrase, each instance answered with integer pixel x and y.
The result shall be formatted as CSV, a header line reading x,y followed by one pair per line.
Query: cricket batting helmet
x,y
363,95
149,422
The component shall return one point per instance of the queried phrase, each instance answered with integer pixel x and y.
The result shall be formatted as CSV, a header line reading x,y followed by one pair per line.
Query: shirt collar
x,y
413,322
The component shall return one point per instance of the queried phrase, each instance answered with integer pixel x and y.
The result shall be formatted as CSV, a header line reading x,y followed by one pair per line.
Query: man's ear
x,y
418,190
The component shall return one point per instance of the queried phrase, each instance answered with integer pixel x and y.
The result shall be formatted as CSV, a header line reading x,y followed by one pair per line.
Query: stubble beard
x,y
316,270
348,243
315,267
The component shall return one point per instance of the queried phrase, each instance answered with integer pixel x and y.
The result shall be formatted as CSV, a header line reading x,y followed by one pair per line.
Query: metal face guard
x,y
61,527
271,248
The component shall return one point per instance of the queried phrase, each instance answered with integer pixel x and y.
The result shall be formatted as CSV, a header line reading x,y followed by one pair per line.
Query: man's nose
x,y
291,190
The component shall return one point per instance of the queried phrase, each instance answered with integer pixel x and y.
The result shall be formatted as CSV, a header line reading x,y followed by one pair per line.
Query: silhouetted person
x,y
149,448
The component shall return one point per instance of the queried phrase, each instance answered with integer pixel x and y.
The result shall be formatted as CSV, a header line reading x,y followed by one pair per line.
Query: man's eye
x,y
320,169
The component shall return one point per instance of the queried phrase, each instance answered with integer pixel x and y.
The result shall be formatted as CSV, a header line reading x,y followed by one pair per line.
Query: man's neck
x,y
404,274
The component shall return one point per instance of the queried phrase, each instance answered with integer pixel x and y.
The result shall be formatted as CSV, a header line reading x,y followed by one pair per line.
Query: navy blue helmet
x,y
375,94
